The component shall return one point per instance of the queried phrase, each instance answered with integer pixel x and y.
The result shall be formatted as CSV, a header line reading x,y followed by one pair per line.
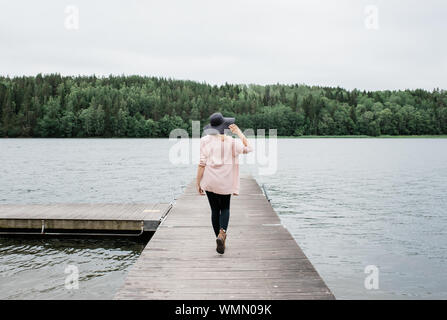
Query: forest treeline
x,y
135,106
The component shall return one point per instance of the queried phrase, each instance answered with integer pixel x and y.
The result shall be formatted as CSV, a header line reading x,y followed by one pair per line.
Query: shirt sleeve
x,y
240,148
203,153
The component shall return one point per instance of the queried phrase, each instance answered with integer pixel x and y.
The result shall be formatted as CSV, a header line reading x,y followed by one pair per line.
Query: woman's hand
x,y
235,129
200,190
200,170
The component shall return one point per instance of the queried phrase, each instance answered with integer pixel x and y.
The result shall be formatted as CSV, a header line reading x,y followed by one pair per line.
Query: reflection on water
x,y
35,269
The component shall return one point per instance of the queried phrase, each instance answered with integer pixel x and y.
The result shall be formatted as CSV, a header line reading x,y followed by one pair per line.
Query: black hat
x,y
218,124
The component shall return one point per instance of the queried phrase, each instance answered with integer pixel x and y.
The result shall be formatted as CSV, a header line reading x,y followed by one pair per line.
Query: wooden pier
x,y
78,219
262,260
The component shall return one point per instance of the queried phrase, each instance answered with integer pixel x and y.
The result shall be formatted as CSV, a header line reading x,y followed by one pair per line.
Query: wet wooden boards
x,y
262,260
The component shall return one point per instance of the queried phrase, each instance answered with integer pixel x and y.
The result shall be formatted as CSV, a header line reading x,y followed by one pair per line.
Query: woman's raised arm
x,y
235,129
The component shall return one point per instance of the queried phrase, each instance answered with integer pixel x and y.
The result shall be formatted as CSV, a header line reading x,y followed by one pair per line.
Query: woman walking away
x,y
218,171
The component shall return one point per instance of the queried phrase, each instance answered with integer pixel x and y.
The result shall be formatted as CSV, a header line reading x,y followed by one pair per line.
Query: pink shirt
x,y
221,162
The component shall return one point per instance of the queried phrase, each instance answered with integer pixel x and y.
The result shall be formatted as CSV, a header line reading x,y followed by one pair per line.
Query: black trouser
x,y
220,210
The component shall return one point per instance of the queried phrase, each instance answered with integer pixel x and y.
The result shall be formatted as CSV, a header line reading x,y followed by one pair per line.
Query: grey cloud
x,y
320,42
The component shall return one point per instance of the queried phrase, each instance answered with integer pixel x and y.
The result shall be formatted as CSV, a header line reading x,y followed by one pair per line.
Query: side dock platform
x,y
125,220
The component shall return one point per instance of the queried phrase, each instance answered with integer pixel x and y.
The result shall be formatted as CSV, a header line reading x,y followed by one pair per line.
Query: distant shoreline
x,y
138,107
369,137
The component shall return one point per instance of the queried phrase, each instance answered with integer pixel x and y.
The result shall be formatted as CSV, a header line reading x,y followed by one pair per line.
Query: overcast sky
x,y
316,42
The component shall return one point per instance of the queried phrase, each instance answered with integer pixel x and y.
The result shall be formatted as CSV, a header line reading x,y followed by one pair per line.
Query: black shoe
x,y
220,241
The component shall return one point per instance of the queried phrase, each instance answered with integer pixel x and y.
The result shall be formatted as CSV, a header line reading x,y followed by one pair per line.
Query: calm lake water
x,y
349,203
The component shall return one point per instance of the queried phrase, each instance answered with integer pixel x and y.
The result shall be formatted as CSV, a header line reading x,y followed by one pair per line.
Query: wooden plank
x,y
262,260
106,216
